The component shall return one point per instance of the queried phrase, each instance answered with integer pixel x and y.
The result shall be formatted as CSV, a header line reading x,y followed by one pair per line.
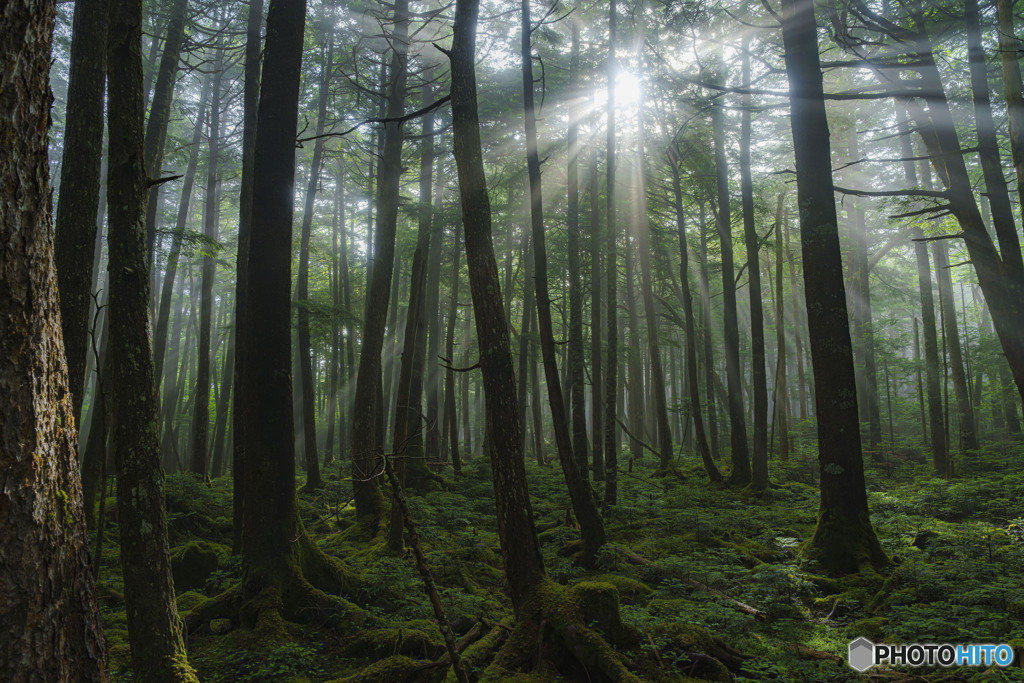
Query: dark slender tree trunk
x,y
691,333
201,415
50,622
160,339
79,197
155,633
798,344
312,459
581,447
367,447
449,377
524,566
781,380
432,450
596,377
706,338
580,493
965,414
737,417
844,538
758,371
160,115
1013,92
610,379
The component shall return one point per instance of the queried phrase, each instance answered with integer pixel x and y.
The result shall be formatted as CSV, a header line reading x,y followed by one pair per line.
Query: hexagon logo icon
x,y
861,654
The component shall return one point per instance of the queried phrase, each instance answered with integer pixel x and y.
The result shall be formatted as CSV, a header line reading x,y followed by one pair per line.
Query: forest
x,y
551,340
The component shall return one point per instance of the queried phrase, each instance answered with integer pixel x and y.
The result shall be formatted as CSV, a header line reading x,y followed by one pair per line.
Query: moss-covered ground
x,y
957,548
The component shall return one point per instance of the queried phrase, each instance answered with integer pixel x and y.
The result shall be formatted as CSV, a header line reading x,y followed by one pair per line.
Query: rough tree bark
x,y
154,629
49,622
844,539
79,195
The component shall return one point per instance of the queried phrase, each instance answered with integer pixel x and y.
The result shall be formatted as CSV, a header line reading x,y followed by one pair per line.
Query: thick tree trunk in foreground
x,y
154,629
1013,92
250,103
580,493
49,623
365,432
844,538
79,195
524,567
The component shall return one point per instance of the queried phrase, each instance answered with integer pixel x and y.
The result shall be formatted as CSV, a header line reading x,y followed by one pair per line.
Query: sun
x,y
628,89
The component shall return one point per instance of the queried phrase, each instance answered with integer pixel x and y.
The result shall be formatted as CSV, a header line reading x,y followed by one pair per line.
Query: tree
x,y
580,493
79,195
154,629
49,622
844,538
369,502
610,379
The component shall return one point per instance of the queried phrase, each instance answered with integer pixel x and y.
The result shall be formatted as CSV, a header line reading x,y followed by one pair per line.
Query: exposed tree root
x,y
569,632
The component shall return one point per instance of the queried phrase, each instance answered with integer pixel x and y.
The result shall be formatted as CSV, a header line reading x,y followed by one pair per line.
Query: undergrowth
x,y
957,548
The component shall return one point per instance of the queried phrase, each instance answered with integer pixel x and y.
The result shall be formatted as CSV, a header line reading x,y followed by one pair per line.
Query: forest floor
x,y
957,548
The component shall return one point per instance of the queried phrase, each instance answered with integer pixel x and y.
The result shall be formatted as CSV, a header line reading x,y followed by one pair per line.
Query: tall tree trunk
x,y
79,196
706,337
432,450
781,384
758,372
417,474
211,212
449,377
350,345
844,538
312,459
223,402
1013,92
988,147
51,627
580,493
524,566
525,336
581,447
864,341
798,344
691,333
154,629
160,115
737,417
160,340
610,379
596,376
369,503
965,414
241,408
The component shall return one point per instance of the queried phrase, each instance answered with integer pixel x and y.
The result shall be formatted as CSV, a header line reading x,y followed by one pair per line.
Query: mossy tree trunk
x,y
49,623
154,629
844,539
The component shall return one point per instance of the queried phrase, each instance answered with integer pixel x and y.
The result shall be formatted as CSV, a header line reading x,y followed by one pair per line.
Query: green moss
x,y
631,591
189,600
416,639
396,669
872,628
193,564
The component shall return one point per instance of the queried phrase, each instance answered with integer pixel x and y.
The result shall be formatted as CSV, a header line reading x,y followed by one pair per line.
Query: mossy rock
x,y
631,591
415,639
396,669
192,565
189,600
